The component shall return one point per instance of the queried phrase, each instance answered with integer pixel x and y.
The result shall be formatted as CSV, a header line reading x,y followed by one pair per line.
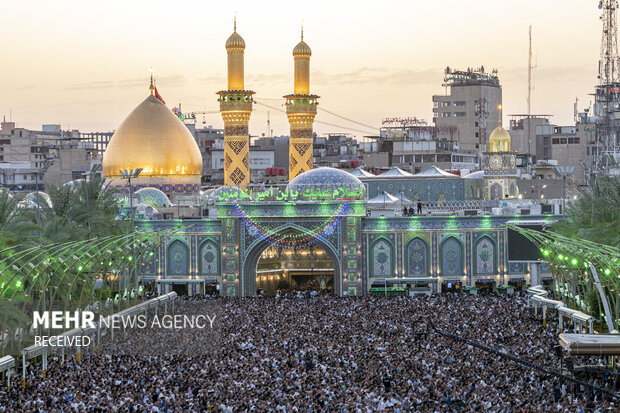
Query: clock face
x,y
495,162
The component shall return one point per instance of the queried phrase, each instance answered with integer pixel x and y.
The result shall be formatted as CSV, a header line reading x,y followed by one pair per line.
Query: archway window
x,y
496,191
209,258
485,256
451,257
178,258
382,259
417,257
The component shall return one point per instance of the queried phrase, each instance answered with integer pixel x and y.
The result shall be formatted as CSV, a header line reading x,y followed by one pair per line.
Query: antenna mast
x,y
529,96
268,125
607,97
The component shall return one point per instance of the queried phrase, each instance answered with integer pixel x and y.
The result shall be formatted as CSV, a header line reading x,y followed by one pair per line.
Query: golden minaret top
x,y
302,48
302,54
235,46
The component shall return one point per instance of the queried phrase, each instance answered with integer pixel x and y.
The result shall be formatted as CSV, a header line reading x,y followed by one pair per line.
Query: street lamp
x,y
564,172
128,174
39,197
87,175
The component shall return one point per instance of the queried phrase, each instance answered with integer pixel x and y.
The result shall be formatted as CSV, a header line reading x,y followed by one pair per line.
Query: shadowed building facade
x,y
236,107
301,109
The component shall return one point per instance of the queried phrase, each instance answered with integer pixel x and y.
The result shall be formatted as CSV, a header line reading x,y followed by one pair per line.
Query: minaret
x,y
236,107
301,110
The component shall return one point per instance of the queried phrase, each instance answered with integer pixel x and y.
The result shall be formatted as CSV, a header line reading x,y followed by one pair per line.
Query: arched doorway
x,y
309,266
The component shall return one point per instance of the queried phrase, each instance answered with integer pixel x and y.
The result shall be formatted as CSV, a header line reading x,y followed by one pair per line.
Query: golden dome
x,y
154,139
499,139
499,134
302,49
235,41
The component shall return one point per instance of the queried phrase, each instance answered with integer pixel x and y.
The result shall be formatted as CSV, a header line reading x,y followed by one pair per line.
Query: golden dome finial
x,y
499,139
499,107
152,86
235,41
302,48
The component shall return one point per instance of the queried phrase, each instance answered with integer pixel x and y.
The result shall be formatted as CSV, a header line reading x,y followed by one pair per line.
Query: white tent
x,y
395,172
383,199
435,172
361,173
402,198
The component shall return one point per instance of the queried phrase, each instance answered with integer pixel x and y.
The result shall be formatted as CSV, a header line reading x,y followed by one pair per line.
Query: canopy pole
x,y
24,369
597,283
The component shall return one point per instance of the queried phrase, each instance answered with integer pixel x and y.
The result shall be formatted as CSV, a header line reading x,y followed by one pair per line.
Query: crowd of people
x,y
325,354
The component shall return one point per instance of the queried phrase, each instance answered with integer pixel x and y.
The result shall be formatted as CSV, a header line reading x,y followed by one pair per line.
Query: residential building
x,y
565,145
469,109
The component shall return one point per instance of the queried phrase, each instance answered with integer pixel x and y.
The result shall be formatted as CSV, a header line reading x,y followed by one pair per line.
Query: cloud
x,y
168,81
379,75
212,79
553,74
276,78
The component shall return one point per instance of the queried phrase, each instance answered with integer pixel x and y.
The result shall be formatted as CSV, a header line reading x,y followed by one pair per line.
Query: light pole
x,y
128,174
564,172
87,175
36,185
591,180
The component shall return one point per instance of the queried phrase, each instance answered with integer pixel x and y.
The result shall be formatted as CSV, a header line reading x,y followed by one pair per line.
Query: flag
x,y
158,96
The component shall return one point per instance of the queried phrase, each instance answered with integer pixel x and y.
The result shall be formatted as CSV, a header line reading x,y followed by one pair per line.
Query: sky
x,y
85,64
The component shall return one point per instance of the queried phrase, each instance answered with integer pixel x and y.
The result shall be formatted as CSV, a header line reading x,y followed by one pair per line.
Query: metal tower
x,y
606,150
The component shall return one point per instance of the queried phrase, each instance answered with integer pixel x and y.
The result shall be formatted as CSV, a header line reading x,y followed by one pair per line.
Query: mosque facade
x,y
322,210
364,250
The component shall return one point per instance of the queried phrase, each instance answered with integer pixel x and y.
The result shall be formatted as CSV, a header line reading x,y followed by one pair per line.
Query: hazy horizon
x,y
86,65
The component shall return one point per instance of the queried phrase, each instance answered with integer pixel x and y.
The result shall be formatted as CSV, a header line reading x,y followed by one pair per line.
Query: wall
x,y
449,249
427,190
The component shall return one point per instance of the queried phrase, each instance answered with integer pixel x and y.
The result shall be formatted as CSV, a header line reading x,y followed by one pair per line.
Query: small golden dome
x,y
235,41
302,49
499,139
154,139
499,134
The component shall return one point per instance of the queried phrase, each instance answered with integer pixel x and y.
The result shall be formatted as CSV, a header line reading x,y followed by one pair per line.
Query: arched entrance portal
x,y
308,268
304,267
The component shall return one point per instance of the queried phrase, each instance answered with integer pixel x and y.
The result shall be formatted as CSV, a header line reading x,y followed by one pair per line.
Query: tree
x,y
95,208
595,214
84,211
16,224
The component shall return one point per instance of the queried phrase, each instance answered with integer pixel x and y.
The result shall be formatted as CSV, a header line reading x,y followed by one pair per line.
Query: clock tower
x,y
500,169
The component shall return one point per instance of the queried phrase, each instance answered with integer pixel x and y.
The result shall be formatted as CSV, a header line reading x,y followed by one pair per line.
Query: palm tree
x,y
595,214
85,210
16,224
96,209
